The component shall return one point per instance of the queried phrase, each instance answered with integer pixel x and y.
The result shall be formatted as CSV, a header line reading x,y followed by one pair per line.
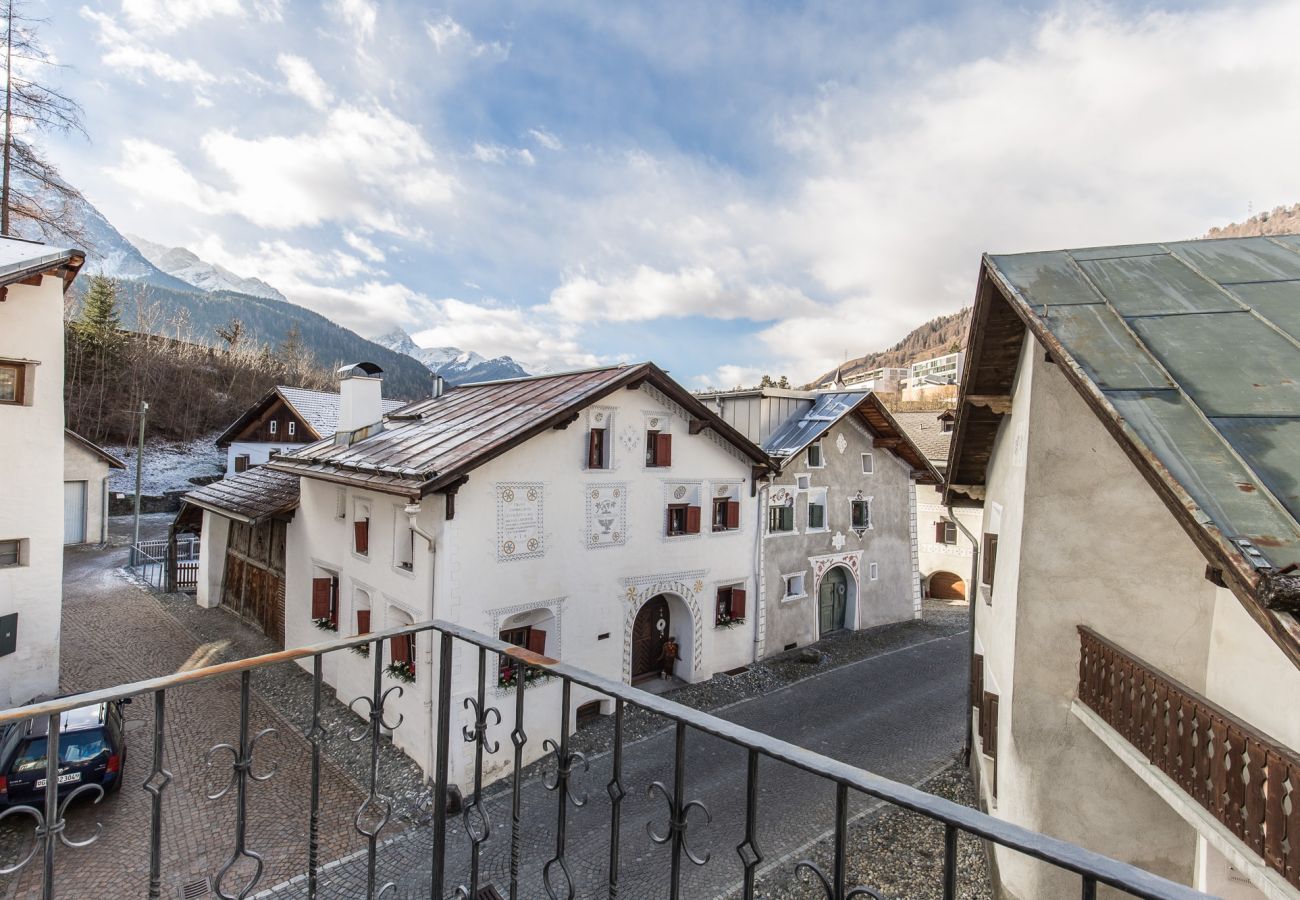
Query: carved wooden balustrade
x,y
1247,780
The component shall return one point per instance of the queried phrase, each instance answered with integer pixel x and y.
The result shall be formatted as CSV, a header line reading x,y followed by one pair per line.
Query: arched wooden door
x,y
649,631
947,586
832,601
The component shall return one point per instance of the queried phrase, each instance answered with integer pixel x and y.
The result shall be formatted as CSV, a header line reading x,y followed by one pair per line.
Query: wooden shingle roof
x,y
250,496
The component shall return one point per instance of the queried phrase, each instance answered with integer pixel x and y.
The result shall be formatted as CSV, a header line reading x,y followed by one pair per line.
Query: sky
x,y
727,188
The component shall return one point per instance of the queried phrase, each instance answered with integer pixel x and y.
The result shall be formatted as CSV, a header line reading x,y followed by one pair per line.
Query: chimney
x,y
439,385
361,402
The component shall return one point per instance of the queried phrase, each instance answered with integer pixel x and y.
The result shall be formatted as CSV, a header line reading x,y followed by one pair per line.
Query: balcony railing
x,y
478,655
165,569
1235,772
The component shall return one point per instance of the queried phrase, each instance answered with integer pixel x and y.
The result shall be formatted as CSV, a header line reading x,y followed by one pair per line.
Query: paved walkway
x,y
899,714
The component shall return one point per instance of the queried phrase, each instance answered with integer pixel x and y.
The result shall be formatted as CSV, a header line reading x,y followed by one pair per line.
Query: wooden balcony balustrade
x,y
1248,781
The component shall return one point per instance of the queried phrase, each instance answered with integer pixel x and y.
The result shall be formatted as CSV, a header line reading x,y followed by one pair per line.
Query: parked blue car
x,y
92,750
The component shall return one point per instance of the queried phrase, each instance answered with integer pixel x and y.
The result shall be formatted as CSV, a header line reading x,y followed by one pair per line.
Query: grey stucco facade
x,y
878,562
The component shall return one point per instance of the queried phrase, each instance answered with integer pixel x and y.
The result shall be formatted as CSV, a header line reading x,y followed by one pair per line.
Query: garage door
x,y
74,512
947,586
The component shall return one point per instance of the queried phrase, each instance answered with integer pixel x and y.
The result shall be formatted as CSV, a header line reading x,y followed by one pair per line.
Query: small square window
x,y
275,426
292,428
875,571
241,463
658,449
780,519
794,585
817,511
802,482
677,519
11,553
12,377
726,514
861,520
868,464
815,455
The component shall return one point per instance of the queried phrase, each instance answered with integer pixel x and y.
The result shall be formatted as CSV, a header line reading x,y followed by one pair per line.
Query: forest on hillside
x,y
1279,220
193,386
944,334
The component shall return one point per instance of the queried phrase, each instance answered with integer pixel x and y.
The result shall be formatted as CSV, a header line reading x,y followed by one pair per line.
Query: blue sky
x,y
727,188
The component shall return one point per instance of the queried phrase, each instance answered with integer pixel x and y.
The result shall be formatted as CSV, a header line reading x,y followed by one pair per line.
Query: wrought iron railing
x,y
685,815
1234,771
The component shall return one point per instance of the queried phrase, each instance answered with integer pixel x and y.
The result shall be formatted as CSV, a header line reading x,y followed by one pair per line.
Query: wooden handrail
x,y
1233,770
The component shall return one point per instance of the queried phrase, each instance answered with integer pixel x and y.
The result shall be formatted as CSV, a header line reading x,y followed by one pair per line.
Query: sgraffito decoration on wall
x,y
841,443
822,564
520,532
606,514
636,591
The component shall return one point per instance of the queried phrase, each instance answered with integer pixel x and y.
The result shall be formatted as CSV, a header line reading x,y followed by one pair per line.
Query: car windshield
x,y
74,747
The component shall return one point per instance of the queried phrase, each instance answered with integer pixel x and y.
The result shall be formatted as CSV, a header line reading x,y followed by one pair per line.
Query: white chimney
x,y
361,402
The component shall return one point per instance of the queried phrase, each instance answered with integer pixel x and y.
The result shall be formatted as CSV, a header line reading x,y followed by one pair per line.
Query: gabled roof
x,y
431,444
94,448
319,410
248,497
20,260
926,431
1189,354
833,406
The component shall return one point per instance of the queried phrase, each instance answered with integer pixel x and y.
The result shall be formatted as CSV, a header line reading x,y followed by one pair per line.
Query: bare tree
x,y
31,189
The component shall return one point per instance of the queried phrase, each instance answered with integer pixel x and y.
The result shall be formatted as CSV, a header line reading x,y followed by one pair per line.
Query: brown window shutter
x,y
663,449
362,530
537,641
668,521
596,448
320,598
402,649
993,726
976,680
738,603
363,621
733,513
692,520
940,531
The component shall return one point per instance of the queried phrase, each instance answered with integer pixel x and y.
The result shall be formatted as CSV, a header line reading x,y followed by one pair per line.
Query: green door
x,y
832,600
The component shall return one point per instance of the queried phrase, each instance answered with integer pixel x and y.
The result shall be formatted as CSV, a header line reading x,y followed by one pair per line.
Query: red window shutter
x,y
733,513
940,531
738,603
361,528
320,598
363,621
692,520
596,448
401,648
668,522
537,641
663,449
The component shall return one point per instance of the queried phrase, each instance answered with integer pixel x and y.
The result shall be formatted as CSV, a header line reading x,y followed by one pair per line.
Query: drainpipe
x,y
413,517
760,598
972,598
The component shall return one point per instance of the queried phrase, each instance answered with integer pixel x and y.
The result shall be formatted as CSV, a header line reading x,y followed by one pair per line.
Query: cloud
x,y
449,36
545,139
124,52
730,376
364,246
497,154
359,15
648,293
530,336
363,167
171,16
302,81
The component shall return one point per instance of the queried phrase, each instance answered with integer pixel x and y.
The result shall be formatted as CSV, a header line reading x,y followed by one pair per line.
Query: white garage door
x,y
74,512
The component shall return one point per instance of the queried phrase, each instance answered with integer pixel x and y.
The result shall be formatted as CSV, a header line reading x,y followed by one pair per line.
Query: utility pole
x,y
9,113
139,462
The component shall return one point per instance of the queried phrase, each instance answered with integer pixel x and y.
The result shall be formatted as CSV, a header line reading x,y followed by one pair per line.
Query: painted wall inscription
x,y
519,522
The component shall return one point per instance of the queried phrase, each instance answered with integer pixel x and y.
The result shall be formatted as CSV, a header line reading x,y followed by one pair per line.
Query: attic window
x,y
815,455
275,426
945,425
292,428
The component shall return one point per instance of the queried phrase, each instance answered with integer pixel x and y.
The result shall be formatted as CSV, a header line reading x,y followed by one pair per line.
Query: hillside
x,y
1279,220
206,276
944,334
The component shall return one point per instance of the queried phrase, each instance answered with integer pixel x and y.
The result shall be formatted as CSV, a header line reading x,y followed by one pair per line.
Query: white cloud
x,y
530,336
301,79
170,16
124,52
364,167
731,376
449,36
545,139
364,246
359,15
648,293
496,154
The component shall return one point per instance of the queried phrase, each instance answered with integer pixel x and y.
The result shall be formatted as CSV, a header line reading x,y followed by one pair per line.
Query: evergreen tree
x,y
99,313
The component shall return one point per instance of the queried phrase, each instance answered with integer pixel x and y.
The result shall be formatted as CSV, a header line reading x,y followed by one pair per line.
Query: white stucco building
x,y
33,279
1130,419
588,516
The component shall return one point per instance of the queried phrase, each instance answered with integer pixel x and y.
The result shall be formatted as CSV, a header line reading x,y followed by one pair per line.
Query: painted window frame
x,y
821,455
803,585
819,497
868,464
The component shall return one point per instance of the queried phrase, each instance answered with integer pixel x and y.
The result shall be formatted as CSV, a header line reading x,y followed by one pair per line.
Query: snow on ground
x,y
168,465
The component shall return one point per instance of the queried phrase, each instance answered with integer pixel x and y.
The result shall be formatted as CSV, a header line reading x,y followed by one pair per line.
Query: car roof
x,y
73,720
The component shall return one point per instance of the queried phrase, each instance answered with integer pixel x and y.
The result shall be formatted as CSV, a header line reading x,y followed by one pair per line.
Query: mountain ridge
x,y
185,264
456,366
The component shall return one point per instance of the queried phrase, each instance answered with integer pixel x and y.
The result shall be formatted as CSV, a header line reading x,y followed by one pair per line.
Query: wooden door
x,y
832,600
649,632
947,586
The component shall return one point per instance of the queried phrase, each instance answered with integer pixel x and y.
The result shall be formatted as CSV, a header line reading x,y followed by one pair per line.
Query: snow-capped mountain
x,y
455,365
188,267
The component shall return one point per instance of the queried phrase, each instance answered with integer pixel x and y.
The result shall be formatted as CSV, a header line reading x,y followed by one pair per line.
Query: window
x,y
528,637
868,464
401,652
13,383
802,482
597,449
363,621
726,514
403,541
340,504
683,519
325,600
241,463
990,559
945,532
658,449
794,585
730,606
275,426
946,423
861,518
780,519
817,510
875,571
815,455
292,428
361,529
11,553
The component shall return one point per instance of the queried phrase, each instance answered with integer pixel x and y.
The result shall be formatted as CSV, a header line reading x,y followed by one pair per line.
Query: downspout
x,y
760,599
413,517
103,513
971,598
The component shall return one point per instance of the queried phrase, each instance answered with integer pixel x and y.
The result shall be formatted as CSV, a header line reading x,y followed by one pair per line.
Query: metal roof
x,y
1189,352
249,496
20,259
429,444
926,431
802,430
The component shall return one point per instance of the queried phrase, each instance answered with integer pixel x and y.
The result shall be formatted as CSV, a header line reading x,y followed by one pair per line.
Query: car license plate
x,y
69,778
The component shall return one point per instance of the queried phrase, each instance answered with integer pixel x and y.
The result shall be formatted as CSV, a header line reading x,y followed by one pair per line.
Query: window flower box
x,y
402,670
326,624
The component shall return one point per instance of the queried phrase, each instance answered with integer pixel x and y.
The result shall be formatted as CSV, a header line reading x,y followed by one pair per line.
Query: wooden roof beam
x,y
998,404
